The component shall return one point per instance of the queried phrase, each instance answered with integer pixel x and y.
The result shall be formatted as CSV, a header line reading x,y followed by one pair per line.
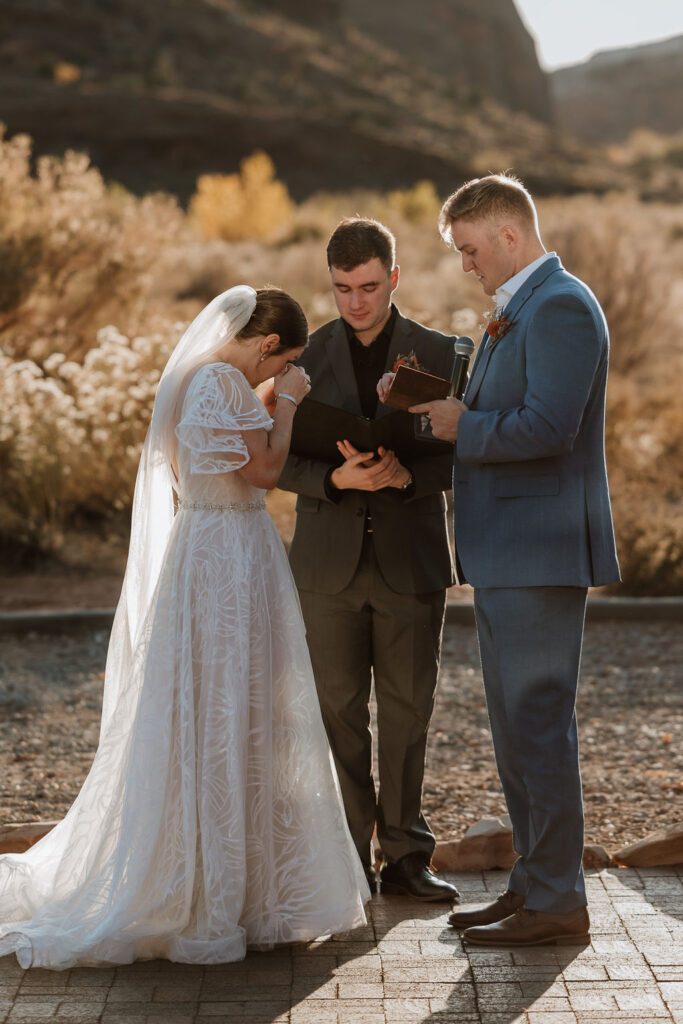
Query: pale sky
x,y
569,31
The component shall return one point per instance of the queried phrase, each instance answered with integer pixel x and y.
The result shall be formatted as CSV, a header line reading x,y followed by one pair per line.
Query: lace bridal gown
x,y
211,818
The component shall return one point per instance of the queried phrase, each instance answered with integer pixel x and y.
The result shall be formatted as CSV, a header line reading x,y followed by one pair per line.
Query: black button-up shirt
x,y
369,362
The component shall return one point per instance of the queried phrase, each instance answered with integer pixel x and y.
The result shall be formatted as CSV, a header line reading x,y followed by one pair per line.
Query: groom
x,y
371,559
533,530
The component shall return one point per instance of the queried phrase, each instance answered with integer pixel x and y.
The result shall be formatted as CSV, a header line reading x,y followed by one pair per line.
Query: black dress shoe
x,y
410,876
505,905
534,928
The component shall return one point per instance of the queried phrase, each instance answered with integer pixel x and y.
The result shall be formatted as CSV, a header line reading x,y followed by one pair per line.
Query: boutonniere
x,y
497,329
409,360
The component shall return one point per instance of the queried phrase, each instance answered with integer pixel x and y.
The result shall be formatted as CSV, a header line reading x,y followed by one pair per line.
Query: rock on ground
x,y
660,848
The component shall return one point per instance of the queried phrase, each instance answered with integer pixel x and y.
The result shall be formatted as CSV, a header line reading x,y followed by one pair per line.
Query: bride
x,y
211,818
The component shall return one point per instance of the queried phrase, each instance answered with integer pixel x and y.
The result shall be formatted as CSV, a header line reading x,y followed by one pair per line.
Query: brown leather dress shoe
x,y
534,928
505,905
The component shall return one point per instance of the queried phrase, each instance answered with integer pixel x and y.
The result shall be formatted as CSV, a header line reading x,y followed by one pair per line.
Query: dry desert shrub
x,y
75,394
644,439
631,254
75,254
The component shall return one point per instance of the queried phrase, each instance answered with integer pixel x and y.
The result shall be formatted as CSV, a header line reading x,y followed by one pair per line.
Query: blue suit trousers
x,y
530,644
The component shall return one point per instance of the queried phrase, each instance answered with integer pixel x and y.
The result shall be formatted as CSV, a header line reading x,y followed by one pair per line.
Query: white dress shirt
x,y
505,292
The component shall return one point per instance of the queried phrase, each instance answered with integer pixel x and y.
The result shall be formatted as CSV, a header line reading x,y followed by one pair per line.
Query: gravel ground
x,y
630,720
630,729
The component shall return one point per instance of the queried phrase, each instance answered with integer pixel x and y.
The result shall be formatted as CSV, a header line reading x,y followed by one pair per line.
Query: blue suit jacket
x,y
531,499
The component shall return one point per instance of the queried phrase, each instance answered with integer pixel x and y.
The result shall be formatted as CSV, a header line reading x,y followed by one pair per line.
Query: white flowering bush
x,y
71,433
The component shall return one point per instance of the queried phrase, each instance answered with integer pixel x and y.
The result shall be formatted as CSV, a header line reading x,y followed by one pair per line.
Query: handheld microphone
x,y
464,347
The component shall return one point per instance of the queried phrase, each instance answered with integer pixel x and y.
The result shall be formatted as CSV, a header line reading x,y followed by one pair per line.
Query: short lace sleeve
x,y
218,406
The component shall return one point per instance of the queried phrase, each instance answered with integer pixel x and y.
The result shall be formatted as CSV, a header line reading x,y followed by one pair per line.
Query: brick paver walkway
x,y
405,966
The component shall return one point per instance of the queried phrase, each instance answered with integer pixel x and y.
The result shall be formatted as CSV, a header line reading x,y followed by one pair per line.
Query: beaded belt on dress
x,y
231,506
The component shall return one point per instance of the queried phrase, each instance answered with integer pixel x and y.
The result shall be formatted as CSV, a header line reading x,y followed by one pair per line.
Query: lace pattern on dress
x,y
211,817
218,406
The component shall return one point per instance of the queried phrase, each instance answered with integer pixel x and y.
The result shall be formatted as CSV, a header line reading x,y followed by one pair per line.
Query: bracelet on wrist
x,y
290,398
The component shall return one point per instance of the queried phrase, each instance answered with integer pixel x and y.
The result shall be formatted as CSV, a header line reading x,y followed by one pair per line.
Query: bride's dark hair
x,y
276,312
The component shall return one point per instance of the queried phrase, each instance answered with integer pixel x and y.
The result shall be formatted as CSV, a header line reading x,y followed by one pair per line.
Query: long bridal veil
x,y
217,324
152,515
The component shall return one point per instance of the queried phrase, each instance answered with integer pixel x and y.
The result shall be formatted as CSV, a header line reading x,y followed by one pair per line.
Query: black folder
x,y
318,426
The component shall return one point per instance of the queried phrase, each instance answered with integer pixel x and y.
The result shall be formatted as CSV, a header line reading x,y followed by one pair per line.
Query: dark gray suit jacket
x,y
410,534
532,506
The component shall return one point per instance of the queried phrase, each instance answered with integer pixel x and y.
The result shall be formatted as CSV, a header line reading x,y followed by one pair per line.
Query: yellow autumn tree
x,y
418,203
247,205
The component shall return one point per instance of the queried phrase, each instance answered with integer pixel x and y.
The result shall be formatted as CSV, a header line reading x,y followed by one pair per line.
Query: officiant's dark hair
x,y
276,312
356,240
496,195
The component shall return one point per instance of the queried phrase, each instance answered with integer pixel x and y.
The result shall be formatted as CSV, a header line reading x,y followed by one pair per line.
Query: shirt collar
x,y
505,292
385,334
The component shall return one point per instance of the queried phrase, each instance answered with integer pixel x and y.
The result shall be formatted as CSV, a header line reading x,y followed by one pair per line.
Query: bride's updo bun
x,y
276,312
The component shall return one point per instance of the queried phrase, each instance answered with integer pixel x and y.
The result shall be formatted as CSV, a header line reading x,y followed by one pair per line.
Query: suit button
x,y
360,511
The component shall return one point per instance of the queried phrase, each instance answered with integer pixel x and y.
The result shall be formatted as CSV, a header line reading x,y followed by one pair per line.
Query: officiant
x,y
372,561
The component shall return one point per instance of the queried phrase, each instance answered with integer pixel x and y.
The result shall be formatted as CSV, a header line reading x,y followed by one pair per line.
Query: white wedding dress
x,y
211,818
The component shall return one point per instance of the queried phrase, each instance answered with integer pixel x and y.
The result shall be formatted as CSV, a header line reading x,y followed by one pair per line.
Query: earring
x,y
263,359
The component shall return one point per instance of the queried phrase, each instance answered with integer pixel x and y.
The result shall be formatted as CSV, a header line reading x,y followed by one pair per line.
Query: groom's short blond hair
x,y
495,196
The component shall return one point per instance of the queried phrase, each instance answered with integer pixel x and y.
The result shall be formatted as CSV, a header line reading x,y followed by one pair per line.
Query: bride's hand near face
x,y
267,390
292,381
269,449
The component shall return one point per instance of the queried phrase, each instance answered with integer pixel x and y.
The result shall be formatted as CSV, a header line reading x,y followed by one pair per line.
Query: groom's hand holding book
x,y
443,416
443,413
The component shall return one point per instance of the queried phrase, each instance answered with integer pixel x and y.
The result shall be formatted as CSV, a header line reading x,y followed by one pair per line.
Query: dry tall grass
x,y
76,393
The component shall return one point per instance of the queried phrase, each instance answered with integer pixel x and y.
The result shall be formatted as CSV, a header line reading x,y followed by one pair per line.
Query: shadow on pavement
x,y
499,983
261,989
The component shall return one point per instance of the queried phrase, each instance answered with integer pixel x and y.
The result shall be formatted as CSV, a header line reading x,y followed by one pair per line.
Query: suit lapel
x,y
337,346
481,363
512,311
514,307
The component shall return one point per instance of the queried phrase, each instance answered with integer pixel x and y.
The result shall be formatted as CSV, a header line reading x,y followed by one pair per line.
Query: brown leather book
x,y
412,387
